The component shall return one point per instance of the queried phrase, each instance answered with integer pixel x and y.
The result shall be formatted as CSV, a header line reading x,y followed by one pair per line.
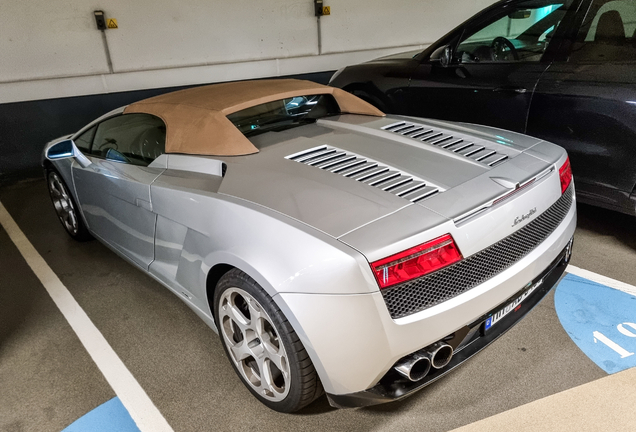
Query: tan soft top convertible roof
x,y
196,119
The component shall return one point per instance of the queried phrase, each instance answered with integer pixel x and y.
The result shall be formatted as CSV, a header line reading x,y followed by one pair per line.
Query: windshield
x,y
284,114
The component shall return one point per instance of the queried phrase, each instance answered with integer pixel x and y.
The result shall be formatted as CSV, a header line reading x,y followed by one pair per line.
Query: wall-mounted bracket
x,y
100,20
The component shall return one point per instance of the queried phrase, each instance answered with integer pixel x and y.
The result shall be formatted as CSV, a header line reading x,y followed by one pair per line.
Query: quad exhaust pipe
x,y
417,365
414,367
441,354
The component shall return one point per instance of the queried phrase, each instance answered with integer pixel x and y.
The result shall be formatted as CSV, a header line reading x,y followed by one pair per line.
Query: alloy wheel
x,y
254,345
63,203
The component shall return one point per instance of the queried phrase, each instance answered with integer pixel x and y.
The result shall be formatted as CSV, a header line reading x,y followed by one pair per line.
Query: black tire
x,y
303,385
65,207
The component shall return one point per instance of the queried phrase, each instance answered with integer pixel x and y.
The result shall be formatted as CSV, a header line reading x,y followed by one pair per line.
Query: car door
x,y
114,190
495,62
586,102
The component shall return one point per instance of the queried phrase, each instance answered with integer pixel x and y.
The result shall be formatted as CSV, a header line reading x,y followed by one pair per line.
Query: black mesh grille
x,y
429,290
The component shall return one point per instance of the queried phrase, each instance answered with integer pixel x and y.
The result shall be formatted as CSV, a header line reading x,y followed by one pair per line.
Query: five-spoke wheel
x,y
65,207
262,346
254,345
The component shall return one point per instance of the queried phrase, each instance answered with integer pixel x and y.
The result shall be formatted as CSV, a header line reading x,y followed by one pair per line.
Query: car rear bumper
x,y
394,387
354,342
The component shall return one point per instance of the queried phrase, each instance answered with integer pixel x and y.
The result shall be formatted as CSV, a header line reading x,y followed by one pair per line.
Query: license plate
x,y
497,316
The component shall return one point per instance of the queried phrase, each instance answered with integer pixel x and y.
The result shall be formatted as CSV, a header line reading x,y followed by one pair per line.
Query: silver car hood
x,y
337,205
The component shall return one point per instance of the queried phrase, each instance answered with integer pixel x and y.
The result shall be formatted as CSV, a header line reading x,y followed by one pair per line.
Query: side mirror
x,y
443,55
67,149
447,56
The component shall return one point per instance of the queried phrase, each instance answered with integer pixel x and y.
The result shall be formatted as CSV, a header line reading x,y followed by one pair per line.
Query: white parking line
x,y
604,280
141,409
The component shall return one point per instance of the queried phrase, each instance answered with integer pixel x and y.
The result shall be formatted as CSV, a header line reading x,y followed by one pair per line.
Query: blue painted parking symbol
x,y
600,320
111,416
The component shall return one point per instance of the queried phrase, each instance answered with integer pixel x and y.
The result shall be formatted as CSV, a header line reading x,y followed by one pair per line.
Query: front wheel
x,y
65,207
262,346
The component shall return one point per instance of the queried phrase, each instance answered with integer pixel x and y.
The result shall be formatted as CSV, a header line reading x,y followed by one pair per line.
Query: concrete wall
x,y
55,77
52,49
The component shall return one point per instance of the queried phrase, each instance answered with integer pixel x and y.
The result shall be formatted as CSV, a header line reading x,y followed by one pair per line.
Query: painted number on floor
x,y
600,321
598,336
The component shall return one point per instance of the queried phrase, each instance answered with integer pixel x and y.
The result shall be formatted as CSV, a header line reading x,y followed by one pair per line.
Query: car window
x,y
284,114
130,138
608,33
83,142
522,34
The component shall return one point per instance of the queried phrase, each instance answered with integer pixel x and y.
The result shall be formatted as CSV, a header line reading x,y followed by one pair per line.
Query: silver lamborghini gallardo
x,y
334,249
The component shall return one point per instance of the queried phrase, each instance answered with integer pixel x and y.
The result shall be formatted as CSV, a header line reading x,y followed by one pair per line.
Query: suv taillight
x,y
416,262
565,174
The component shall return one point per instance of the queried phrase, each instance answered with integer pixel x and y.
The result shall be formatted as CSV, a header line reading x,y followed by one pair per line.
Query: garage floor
x,y
48,380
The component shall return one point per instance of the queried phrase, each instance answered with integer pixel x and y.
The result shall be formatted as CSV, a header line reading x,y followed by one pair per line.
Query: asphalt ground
x,y
47,380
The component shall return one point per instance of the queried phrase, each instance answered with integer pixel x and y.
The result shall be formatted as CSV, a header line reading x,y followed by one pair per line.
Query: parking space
x,y
180,364
46,376
263,156
606,243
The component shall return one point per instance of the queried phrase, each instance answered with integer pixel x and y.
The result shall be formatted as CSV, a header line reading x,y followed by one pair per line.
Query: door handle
x,y
511,89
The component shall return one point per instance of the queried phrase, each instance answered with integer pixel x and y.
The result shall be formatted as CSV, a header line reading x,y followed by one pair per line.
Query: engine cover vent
x,y
366,171
443,140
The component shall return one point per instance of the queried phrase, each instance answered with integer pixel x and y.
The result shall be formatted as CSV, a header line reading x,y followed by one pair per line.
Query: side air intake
x,y
366,171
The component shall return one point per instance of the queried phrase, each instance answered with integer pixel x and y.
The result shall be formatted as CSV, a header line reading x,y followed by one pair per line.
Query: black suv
x,y
560,70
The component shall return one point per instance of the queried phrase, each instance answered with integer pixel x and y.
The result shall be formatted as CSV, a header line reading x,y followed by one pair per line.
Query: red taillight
x,y
416,262
565,173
